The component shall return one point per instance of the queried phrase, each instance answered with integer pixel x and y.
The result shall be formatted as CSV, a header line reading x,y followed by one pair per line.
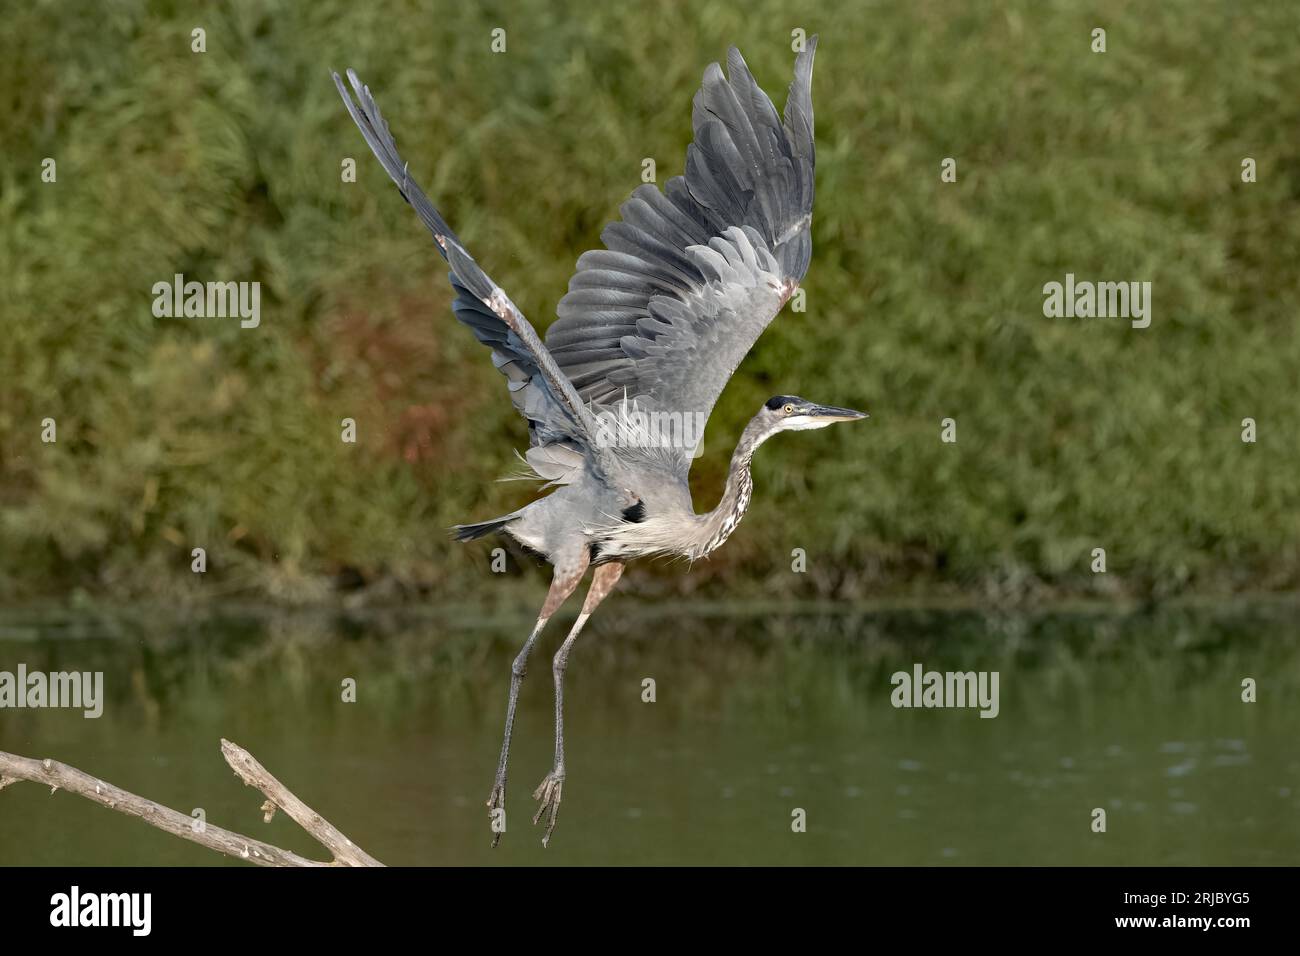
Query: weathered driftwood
x,y
58,776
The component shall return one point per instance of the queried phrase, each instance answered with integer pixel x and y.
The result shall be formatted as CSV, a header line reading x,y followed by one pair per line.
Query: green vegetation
x,y
924,298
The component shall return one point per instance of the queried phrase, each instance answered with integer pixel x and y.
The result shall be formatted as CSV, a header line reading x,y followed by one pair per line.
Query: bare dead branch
x,y
58,776
254,774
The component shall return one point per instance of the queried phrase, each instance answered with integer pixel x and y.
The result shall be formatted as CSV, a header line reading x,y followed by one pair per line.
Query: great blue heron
x,y
657,321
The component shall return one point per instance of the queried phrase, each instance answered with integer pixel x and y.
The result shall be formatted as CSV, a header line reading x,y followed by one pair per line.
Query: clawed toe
x,y
548,794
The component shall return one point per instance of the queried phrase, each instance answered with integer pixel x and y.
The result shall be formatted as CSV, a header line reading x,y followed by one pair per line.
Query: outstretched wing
x,y
691,276
557,417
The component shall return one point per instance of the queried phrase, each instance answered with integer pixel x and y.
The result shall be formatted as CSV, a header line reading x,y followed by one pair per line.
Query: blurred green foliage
x,y
924,298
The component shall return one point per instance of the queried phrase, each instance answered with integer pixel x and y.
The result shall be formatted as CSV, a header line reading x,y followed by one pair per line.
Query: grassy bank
x,y
924,298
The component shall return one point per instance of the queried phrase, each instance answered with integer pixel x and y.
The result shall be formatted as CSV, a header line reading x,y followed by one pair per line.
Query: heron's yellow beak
x,y
830,413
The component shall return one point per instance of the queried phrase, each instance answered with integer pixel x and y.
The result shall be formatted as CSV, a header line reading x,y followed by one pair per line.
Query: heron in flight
x,y
653,324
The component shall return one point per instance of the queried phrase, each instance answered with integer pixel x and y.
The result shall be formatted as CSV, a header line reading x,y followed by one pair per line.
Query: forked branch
x,y
58,776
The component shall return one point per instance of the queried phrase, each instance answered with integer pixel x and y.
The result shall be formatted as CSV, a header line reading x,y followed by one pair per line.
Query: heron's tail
x,y
470,532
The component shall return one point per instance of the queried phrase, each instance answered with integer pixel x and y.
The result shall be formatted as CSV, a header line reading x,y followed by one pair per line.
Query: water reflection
x,y
756,715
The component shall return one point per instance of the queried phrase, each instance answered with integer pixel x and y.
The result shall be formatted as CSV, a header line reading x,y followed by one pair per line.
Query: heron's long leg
x,y
550,789
563,584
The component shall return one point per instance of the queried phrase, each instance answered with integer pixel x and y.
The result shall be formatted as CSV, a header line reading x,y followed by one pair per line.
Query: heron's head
x,y
792,413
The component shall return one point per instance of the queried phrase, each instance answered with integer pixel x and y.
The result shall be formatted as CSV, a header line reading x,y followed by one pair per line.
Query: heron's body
x,y
651,329
628,509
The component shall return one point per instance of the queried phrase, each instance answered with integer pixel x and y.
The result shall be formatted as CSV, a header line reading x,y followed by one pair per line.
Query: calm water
x,y
756,715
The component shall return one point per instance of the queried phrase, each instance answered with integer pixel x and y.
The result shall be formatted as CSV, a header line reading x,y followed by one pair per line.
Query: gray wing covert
x,y
691,276
540,391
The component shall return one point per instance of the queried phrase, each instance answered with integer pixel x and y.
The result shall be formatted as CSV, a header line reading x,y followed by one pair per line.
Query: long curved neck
x,y
718,524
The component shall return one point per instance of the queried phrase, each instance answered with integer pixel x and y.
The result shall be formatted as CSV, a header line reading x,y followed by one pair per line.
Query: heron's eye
x,y
789,409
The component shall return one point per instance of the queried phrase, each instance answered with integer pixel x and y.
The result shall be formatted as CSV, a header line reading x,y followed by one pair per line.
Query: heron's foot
x,y
496,801
548,795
